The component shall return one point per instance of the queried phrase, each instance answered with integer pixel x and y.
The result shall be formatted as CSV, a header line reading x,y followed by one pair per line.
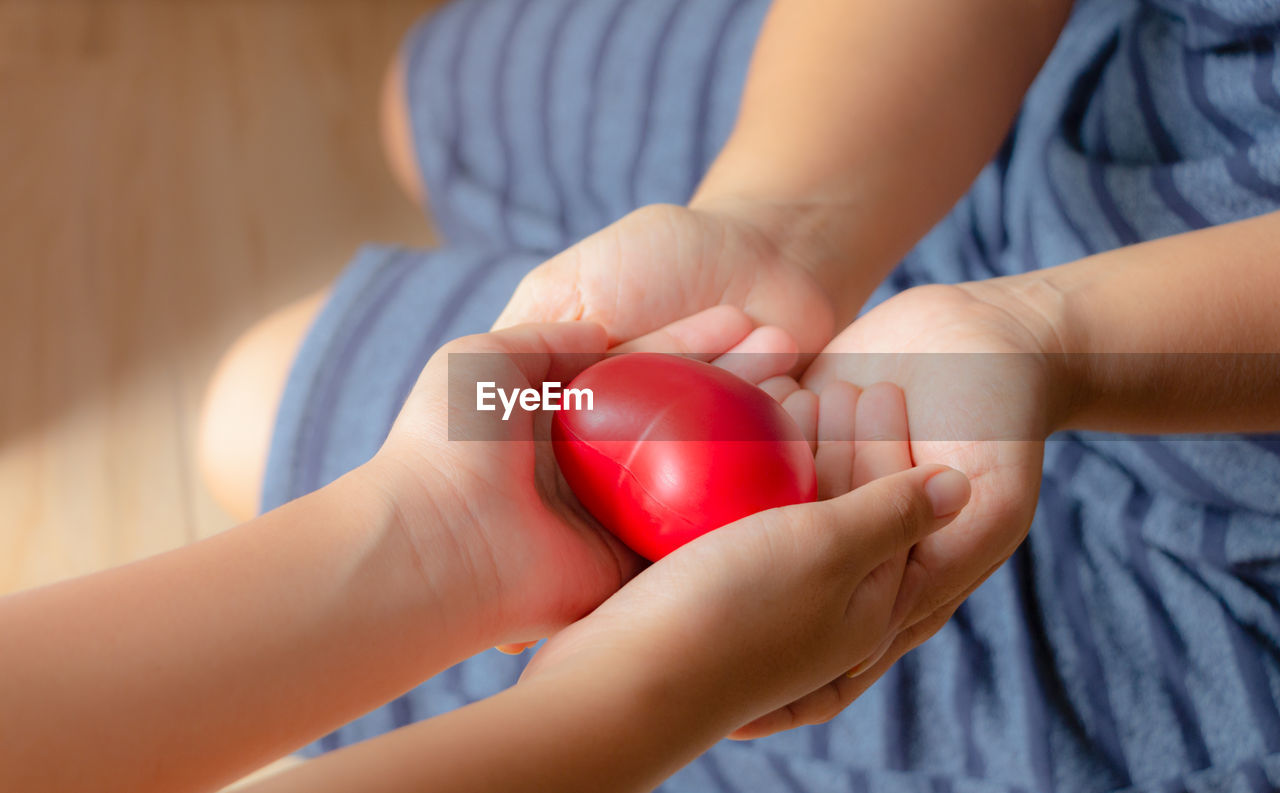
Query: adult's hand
x,y
664,262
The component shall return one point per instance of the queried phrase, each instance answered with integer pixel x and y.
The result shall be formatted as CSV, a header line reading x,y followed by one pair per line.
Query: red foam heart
x,y
674,448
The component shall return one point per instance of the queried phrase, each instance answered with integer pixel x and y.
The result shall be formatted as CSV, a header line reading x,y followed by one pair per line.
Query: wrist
x,y
432,566
650,703
653,679
843,230
587,730
804,232
1041,311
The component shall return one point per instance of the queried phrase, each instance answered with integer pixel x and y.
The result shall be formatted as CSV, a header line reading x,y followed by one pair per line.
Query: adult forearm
x,y
1177,335
864,121
193,667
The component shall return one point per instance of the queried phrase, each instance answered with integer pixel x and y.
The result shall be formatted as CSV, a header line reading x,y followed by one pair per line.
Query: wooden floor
x,y
170,170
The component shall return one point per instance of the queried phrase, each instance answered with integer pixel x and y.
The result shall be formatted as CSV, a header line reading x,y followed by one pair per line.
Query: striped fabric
x,y
1133,642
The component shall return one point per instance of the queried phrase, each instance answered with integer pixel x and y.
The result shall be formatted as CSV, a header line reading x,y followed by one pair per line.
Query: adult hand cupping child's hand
x,y
662,263
761,616
536,559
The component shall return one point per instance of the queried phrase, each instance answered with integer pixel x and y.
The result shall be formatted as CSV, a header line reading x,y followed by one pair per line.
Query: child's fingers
x,y
779,387
882,446
704,335
837,407
766,352
802,405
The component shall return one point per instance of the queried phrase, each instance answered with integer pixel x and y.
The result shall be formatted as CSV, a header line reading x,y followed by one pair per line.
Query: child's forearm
x,y
608,728
187,670
864,121
1177,335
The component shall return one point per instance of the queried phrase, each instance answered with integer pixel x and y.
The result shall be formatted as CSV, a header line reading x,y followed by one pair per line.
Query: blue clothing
x,y
1133,641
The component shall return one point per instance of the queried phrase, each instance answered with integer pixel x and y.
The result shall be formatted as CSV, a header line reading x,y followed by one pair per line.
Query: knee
x,y
240,405
397,134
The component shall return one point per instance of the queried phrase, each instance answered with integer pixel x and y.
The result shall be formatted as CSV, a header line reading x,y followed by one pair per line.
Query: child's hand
x,y
665,262
757,623
538,562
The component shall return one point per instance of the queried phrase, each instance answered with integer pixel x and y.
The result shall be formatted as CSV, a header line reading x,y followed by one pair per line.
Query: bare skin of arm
x,y
1196,320
862,122
183,671
149,676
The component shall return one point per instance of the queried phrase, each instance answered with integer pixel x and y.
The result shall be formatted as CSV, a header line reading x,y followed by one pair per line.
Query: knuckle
x,y
789,718
672,343
881,584
904,510
933,594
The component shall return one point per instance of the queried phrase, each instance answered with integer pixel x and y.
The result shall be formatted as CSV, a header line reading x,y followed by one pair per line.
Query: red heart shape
x,y
673,448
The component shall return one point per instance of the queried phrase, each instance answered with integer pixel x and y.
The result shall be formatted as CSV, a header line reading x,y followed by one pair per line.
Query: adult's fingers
x,y
765,353
705,335
541,296
553,351
726,337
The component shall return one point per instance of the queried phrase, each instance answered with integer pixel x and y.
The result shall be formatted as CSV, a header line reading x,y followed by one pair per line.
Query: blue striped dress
x,y
1133,641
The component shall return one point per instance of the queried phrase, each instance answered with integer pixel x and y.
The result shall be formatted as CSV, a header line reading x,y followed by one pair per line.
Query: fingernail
x,y
867,662
947,491
859,669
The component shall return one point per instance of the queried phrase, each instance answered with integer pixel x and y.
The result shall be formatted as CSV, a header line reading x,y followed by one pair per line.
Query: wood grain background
x,y
170,171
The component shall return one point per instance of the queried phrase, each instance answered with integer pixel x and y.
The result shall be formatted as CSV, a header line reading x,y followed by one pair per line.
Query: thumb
x,y
525,356
888,515
549,351
545,294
